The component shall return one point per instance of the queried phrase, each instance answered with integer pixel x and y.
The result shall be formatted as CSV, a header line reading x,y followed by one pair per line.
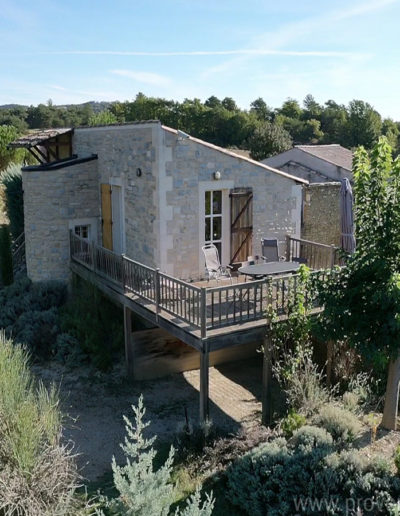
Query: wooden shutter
x,y
241,224
106,214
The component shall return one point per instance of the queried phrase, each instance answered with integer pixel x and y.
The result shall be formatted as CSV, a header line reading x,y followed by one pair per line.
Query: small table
x,y
269,268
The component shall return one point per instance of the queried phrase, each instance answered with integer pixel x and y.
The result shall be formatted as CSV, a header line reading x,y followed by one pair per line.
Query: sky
x,y
79,50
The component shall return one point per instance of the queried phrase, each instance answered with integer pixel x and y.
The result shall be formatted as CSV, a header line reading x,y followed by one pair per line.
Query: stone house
x,y
153,193
323,166
316,163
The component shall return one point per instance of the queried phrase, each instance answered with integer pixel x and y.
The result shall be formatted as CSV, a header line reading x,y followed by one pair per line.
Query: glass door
x,y
213,219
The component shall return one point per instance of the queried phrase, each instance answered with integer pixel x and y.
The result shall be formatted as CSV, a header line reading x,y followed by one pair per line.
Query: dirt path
x,y
96,402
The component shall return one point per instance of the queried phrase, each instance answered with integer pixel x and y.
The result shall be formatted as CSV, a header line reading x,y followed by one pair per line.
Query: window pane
x,y
77,230
217,228
217,201
218,246
208,203
208,230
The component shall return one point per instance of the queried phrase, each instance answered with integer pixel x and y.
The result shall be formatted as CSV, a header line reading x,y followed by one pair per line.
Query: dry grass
x,y
38,475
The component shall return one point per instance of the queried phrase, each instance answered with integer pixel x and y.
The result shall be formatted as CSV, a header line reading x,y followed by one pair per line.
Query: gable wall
x,y
276,203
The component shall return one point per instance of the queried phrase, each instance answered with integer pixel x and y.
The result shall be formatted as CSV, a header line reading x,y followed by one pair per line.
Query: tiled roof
x,y
37,137
333,153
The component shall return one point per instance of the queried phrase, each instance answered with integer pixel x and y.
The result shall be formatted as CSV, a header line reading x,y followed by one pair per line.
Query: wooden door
x,y
106,214
241,224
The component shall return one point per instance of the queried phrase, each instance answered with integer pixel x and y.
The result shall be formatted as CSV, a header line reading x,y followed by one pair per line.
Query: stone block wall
x,y
122,150
276,201
321,213
51,199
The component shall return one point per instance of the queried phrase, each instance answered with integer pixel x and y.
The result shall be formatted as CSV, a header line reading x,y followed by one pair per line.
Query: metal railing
x,y
198,308
313,254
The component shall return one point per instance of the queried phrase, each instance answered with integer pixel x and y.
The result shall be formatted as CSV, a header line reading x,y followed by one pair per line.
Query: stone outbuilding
x,y
153,193
324,167
315,163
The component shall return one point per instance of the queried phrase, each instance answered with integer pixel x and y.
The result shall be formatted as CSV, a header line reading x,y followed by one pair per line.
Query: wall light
x,y
217,175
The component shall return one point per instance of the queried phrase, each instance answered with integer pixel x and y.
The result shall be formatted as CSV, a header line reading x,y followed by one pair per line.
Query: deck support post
x,y
266,418
204,383
129,352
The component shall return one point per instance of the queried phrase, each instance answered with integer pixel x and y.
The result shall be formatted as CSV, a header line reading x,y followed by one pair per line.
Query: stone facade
x,y
122,150
52,199
190,169
321,213
162,176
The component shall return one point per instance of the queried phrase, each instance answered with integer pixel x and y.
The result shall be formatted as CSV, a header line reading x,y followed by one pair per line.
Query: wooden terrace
x,y
204,315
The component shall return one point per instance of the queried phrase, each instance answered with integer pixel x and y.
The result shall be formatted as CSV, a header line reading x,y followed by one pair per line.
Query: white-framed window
x,y
213,218
83,231
85,228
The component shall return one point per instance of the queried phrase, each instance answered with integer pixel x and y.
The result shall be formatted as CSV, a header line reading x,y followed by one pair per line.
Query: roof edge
x,y
243,158
324,159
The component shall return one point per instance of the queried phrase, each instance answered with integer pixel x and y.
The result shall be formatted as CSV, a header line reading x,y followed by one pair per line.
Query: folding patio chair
x,y
269,250
214,269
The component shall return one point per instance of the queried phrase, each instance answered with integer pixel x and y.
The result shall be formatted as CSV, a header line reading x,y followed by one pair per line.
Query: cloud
x,y
233,52
144,77
273,42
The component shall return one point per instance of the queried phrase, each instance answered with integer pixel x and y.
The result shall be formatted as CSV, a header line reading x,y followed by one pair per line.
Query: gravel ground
x,y
96,402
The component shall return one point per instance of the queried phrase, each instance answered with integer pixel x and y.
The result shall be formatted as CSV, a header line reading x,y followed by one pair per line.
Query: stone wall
x,y
276,201
321,213
122,150
52,198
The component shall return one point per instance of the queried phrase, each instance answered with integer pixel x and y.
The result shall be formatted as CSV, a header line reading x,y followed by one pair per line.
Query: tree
x,y
333,121
8,133
267,140
291,109
363,126
212,102
229,104
311,107
391,130
261,110
362,300
11,180
103,118
143,490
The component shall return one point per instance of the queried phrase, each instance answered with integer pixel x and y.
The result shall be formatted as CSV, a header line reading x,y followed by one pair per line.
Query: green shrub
x,y
309,437
306,475
11,178
144,490
6,263
351,401
301,380
30,313
293,421
68,351
38,475
95,322
342,424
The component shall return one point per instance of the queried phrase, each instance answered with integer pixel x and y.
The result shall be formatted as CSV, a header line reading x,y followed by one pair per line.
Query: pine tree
x,y
144,491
